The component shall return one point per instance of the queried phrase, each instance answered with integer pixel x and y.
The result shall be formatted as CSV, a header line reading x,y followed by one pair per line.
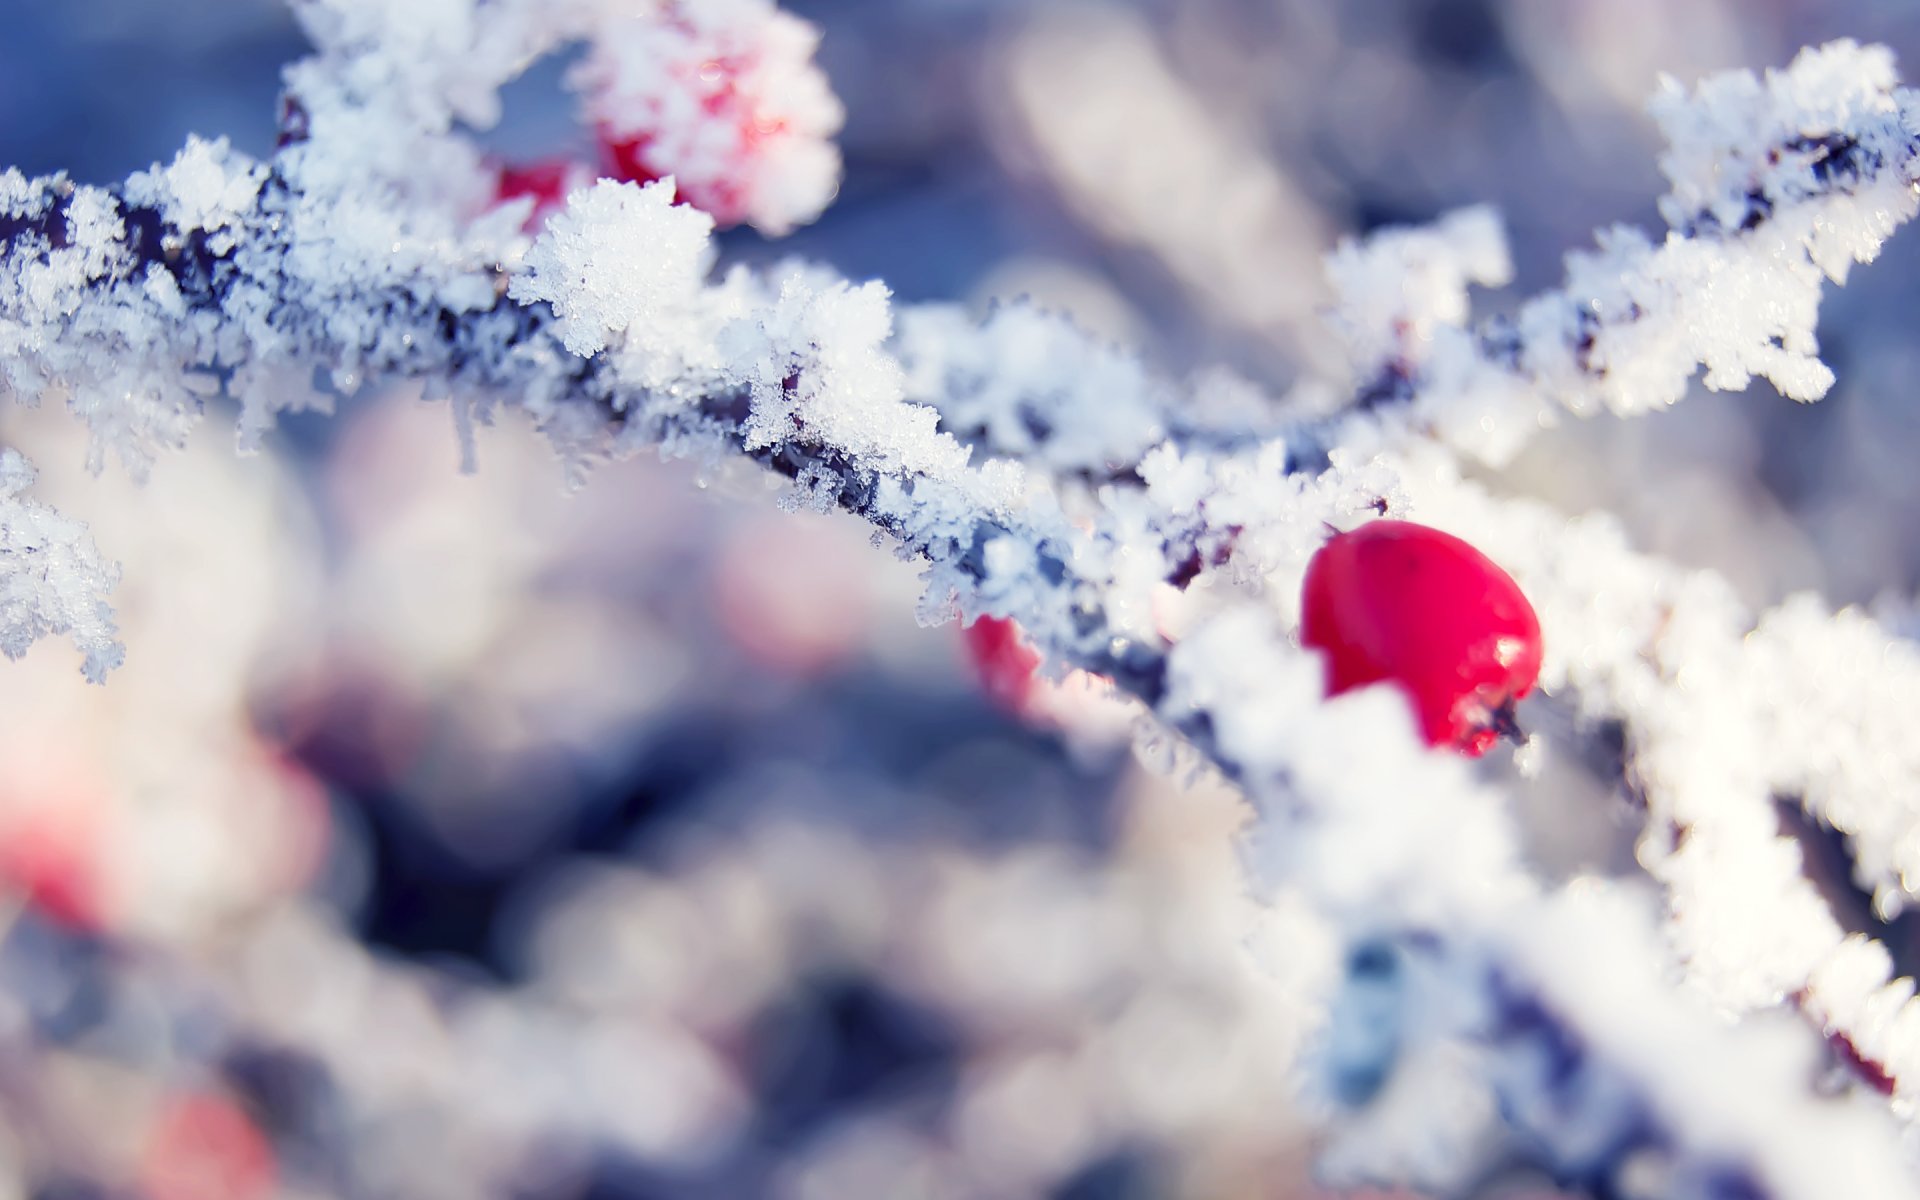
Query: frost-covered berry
x,y
1003,660
743,129
724,199
725,100
1396,601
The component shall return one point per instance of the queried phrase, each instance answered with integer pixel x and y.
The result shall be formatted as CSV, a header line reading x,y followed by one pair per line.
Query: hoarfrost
x,y
621,263
52,579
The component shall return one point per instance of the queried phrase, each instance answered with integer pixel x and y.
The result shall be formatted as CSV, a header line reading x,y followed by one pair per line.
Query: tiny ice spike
x,y
1397,601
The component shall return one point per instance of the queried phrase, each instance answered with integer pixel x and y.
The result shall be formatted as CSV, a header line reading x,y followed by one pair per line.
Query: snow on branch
x,y
1724,715
371,249
52,579
1778,186
1556,1000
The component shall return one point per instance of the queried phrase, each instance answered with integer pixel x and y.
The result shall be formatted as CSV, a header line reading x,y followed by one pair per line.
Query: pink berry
x,y
51,856
204,1147
1396,601
1004,661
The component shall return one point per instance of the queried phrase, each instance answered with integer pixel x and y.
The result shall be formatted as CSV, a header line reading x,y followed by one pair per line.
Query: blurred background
x,y
456,836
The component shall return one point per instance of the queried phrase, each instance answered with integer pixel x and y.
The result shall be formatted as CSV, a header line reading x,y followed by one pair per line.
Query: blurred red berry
x,y
627,159
51,856
1003,660
203,1147
1396,601
547,181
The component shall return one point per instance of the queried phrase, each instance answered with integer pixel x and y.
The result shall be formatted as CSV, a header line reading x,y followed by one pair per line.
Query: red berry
x,y
1003,660
1396,601
547,181
627,158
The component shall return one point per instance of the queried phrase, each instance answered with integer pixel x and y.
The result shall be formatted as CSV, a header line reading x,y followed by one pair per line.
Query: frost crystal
x,y
621,263
52,580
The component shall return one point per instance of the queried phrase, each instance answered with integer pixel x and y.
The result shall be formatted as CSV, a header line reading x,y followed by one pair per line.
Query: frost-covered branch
x,y
1775,186
1779,185
1725,715
52,578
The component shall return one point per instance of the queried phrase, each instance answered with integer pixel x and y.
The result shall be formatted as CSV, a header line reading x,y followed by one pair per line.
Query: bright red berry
x,y
1003,660
1396,601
